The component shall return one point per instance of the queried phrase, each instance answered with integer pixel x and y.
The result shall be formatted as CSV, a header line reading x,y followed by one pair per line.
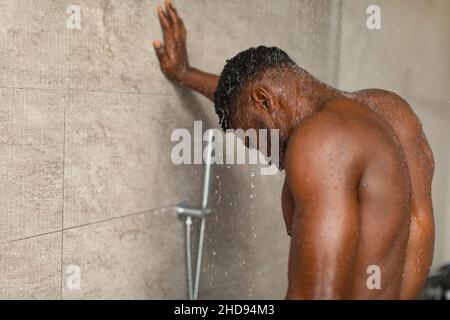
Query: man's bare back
x,y
396,229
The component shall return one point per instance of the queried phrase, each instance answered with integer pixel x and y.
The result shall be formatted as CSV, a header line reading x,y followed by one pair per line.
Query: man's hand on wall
x,y
172,54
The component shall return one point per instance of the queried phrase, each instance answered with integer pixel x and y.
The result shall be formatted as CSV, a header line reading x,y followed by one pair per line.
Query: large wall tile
x,y
33,44
118,160
31,268
31,162
135,257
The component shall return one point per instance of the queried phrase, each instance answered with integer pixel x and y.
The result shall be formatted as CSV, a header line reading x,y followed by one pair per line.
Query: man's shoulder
x,y
341,129
336,120
327,141
400,112
386,96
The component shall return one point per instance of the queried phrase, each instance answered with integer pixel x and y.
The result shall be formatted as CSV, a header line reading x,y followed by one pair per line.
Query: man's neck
x,y
309,96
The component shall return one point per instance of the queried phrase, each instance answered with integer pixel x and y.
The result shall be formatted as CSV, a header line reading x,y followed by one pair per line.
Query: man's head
x,y
252,92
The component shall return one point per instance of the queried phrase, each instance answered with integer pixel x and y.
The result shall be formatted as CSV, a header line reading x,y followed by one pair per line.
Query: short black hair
x,y
242,67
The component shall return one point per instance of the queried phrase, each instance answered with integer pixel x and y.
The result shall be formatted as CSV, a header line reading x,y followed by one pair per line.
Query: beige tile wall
x,y
30,268
85,123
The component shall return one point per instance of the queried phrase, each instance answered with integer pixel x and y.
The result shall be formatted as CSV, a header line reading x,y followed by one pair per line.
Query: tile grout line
x,y
120,217
64,161
89,224
163,94
30,237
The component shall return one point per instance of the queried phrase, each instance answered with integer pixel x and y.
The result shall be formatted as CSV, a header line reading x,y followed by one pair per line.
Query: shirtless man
x,y
358,168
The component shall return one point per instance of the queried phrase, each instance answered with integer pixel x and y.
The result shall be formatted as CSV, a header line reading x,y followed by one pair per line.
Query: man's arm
x,y
202,82
172,54
322,171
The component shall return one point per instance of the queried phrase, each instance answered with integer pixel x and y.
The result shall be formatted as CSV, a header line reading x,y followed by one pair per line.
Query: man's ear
x,y
262,98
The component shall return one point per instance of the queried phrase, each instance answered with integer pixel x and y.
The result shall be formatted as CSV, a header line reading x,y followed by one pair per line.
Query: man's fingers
x,y
174,20
166,28
179,31
165,24
172,15
175,12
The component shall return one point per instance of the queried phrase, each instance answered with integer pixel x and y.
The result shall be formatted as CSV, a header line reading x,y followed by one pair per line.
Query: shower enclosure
x,y
89,191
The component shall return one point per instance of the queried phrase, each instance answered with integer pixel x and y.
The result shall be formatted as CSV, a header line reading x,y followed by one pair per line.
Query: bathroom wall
x,y
410,55
86,180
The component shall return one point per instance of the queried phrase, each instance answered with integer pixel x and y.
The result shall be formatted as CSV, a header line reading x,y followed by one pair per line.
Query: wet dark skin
x,y
358,169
